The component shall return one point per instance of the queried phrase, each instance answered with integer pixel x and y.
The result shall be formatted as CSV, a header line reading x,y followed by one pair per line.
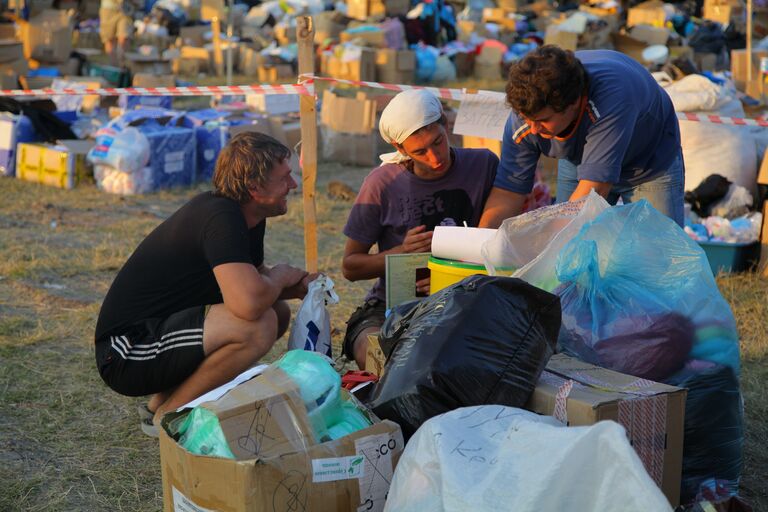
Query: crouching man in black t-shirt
x,y
194,305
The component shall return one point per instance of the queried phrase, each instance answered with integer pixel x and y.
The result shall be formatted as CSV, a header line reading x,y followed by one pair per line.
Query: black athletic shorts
x,y
153,355
371,314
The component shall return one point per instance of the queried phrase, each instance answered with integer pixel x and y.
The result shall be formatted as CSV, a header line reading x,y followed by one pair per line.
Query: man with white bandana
x,y
425,183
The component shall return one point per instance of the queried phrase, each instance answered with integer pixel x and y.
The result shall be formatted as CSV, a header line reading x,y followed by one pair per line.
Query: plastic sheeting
x,y
501,458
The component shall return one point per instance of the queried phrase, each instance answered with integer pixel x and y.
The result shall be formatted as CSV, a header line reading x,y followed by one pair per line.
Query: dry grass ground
x,y
69,443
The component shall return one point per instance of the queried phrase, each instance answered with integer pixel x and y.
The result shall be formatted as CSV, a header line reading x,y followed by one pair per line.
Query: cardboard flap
x,y
264,417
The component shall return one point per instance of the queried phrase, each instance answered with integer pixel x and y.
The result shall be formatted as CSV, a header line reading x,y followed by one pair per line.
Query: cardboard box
x,y
193,60
90,101
61,165
499,16
328,25
470,141
362,69
368,38
279,465
374,356
273,104
11,50
210,9
722,11
628,45
153,65
652,413
763,265
250,61
395,67
348,115
48,36
194,35
465,64
647,13
364,9
17,67
275,73
562,38
147,80
650,35
739,63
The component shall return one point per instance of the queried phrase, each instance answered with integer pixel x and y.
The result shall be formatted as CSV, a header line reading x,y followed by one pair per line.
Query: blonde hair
x,y
245,163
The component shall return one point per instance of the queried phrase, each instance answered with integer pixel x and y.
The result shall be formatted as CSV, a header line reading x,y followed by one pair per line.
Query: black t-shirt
x,y
172,269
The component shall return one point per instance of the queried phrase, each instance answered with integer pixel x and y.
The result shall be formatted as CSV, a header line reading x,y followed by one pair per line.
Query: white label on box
x,y
337,468
209,155
374,485
183,504
482,115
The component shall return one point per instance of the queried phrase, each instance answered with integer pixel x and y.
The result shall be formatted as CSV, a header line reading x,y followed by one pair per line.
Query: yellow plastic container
x,y
444,273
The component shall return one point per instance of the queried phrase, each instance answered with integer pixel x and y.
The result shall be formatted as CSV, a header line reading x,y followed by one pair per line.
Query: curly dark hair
x,y
245,163
547,77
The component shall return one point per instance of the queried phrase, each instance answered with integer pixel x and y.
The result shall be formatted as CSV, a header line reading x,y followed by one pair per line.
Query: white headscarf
x,y
406,113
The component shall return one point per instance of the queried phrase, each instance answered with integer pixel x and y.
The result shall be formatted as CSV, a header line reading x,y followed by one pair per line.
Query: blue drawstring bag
x,y
638,296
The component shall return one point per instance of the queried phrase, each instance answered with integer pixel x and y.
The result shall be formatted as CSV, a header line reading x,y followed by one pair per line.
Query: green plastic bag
x,y
201,434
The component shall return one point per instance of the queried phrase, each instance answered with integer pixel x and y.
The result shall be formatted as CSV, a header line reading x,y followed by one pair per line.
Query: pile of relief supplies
x,y
603,375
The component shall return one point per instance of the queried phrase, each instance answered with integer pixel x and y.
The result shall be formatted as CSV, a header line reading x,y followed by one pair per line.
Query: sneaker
x,y
149,428
144,412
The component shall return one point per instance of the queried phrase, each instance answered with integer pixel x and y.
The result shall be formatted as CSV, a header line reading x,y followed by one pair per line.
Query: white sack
x,y
311,328
502,458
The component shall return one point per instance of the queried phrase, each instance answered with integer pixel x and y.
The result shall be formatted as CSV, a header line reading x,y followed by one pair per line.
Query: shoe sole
x,y
144,412
149,428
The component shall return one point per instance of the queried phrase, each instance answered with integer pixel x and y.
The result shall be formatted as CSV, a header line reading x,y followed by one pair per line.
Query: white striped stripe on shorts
x,y
169,341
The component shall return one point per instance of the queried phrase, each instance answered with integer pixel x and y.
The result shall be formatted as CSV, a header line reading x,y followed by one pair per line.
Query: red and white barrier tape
x,y
733,121
226,90
306,87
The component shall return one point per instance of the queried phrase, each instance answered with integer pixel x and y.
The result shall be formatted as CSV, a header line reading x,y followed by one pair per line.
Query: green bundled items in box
x,y
201,434
331,416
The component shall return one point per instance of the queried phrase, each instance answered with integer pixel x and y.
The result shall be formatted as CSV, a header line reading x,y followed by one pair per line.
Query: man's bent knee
x,y
283,317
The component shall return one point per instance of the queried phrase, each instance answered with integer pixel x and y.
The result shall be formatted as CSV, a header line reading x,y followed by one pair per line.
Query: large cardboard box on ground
x,y
364,9
347,130
652,413
628,45
395,67
367,38
48,36
722,11
362,69
647,13
739,66
61,165
562,38
279,465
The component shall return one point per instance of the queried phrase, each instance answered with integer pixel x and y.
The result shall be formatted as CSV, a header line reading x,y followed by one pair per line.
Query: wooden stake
x,y
749,43
305,35
218,56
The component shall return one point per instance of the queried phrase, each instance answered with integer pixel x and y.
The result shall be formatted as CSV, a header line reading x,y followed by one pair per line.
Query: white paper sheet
x,y
459,243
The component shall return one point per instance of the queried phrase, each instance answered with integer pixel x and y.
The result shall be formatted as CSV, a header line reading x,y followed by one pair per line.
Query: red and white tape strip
x,y
226,90
440,92
733,121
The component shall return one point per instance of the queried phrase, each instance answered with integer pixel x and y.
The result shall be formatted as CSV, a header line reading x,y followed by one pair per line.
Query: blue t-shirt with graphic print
x,y
393,200
627,135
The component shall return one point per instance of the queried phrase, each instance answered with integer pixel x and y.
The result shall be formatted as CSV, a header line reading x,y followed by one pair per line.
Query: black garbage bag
x,y
714,427
484,340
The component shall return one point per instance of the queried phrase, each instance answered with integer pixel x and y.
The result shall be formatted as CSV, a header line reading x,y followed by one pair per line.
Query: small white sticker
x,y
183,504
337,468
171,167
209,155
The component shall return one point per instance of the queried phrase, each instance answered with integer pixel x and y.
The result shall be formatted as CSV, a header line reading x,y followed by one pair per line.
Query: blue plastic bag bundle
x,y
638,296
484,340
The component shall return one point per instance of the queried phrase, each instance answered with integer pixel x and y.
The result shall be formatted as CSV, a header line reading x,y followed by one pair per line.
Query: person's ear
x,y
399,148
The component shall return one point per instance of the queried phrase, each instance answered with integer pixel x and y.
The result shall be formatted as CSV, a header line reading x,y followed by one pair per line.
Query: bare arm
x,y
248,293
501,204
358,264
584,186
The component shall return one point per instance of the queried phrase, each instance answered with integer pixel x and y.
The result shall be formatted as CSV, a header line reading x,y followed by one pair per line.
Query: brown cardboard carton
x,y
18,67
499,16
147,80
90,101
395,67
739,66
194,35
276,73
364,9
650,35
369,38
374,356
348,115
652,413
278,467
722,11
328,25
470,141
11,50
193,60
628,45
562,38
153,65
363,69
647,13
48,36
210,9
250,61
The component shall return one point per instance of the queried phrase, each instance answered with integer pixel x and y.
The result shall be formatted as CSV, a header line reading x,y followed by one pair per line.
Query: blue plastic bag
x,y
638,296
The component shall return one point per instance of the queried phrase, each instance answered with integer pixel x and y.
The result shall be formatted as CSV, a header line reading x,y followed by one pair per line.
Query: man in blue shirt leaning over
x,y
612,127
